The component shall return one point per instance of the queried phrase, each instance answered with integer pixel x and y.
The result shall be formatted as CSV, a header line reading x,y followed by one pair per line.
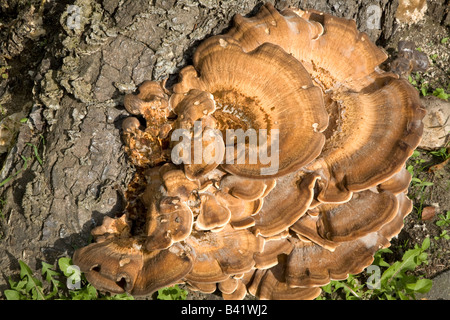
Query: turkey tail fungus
x,y
275,165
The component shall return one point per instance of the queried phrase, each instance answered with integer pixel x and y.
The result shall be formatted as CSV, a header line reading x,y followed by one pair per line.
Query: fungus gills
x,y
339,128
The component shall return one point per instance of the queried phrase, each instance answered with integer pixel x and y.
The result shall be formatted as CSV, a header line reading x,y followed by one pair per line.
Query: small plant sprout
x,y
54,284
26,160
418,186
419,83
386,281
441,94
444,220
443,235
442,154
4,72
433,57
2,205
172,293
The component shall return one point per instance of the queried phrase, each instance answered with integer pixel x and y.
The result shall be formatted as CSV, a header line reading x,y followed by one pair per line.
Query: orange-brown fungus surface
x,y
339,128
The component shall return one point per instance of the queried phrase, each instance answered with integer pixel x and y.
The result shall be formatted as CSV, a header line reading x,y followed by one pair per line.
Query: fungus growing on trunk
x,y
301,86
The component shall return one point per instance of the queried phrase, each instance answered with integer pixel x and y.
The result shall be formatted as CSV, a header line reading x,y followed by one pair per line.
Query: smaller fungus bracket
x,y
311,265
120,265
379,132
171,221
333,51
221,254
213,214
285,204
399,182
270,284
148,146
365,213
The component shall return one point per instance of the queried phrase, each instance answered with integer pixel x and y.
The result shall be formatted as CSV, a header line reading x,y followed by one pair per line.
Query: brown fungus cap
x,y
366,212
393,228
379,131
285,204
262,89
245,189
195,105
272,249
271,284
204,287
142,147
112,227
152,102
221,254
307,229
242,211
310,264
121,265
228,286
170,221
345,60
399,182
212,215
168,218
331,48
176,183
238,294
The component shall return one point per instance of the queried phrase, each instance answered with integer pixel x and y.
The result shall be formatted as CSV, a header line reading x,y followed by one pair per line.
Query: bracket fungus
x,y
310,184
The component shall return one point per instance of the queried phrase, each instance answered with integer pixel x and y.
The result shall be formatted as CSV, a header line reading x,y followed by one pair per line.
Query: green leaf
x,y
49,277
424,91
421,286
172,293
395,270
441,94
33,285
410,170
121,296
12,295
48,272
426,243
327,288
389,297
63,264
25,271
379,260
86,293
402,296
36,153
12,283
409,259
444,40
